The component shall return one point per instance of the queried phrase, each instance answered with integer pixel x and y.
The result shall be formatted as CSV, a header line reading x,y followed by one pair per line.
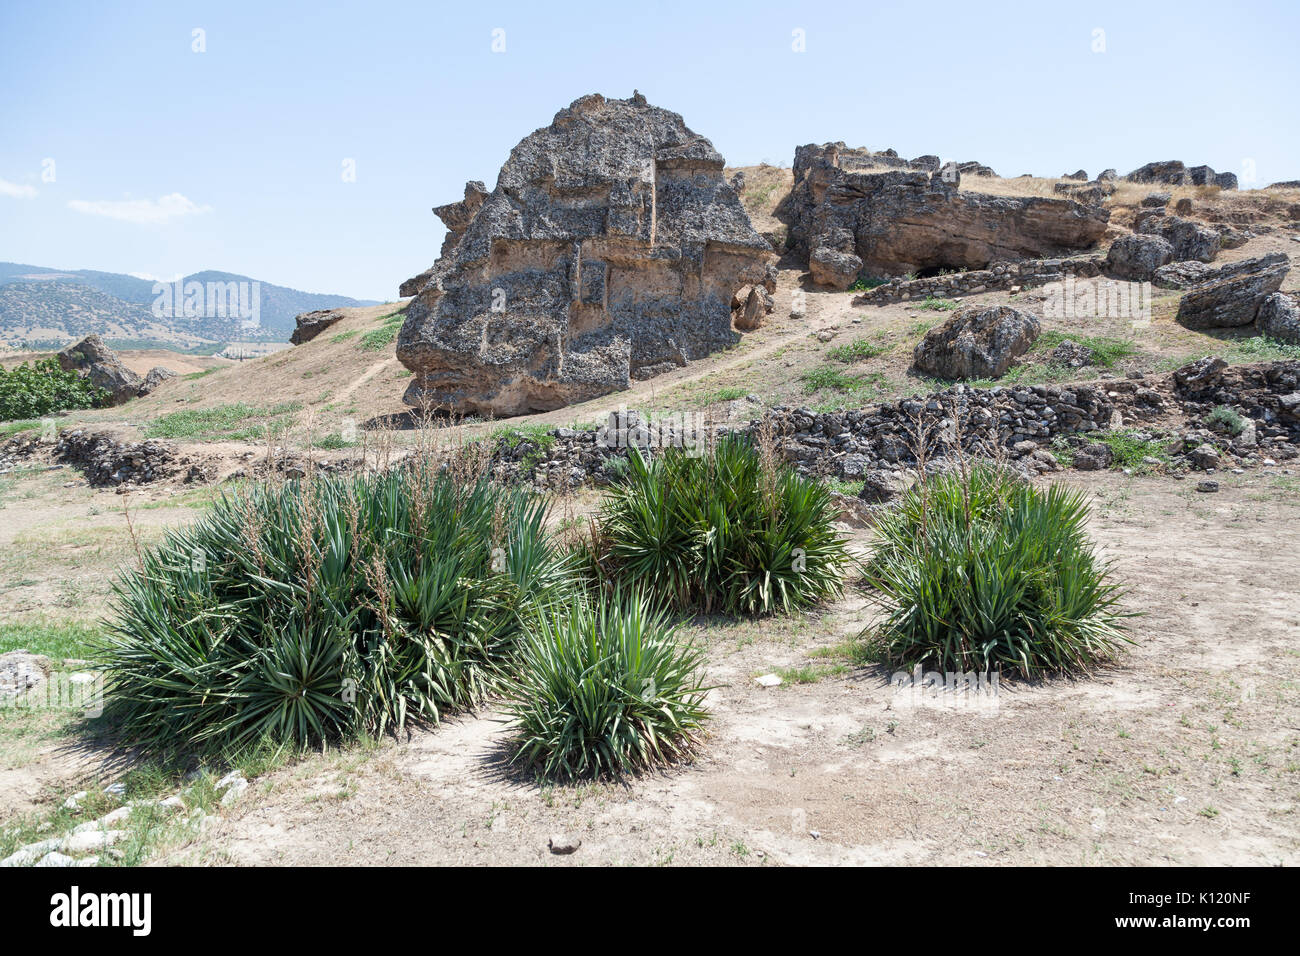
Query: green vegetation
x,y
856,351
238,421
32,390
380,338
326,610
1129,448
867,283
1260,348
55,639
979,572
605,691
1106,351
938,305
1226,419
344,336
732,531
828,378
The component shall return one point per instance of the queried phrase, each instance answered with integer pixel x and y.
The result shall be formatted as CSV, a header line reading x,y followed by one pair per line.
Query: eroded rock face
x,y
100,364
1138,257
905,216
1231,296
311,324
610,249
977,342
1279,318
1187,239
1176,173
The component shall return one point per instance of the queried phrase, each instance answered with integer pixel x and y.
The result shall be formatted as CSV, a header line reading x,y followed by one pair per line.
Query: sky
x,y
304,144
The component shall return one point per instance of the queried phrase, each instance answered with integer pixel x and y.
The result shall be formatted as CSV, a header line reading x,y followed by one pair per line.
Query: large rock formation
x,y
977,342
1138,257
100,364
610,249
308,325
846,210
1174,172
1279,317
1231,296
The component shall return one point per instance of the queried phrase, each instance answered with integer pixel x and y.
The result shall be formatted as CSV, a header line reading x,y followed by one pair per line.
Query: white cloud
x,y
151,211
15,191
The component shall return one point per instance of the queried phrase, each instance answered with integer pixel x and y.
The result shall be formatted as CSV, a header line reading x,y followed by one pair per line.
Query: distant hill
x,y
42,308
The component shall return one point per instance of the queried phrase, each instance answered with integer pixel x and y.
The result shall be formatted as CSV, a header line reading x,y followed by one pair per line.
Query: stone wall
x,y
1001,275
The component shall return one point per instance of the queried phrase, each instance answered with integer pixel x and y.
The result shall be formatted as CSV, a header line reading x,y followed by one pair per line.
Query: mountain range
x,y
44,308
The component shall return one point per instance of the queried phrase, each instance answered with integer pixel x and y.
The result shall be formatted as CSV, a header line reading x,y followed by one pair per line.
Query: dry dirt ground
x,y
1186,751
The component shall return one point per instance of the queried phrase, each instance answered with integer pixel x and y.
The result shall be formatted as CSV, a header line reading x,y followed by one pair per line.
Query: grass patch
x,y
55,639
344,336
378,339
1106,351
856,351
13,428
829,378
935,304
224,421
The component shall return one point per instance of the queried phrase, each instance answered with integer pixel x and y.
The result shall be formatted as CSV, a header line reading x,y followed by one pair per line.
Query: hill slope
x,y
43,307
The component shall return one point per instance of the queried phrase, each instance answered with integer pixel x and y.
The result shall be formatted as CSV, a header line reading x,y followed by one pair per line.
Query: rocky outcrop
x,y
1187,239
1279,318
1174,172
977,342
1138,257
311,324
908,219
610,249
100,364
1231,296
1001,275
155,377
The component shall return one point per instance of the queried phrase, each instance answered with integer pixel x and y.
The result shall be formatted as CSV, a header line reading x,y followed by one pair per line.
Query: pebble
x,y
768,680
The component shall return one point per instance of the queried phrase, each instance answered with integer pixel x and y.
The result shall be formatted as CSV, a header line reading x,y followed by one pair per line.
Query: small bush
x,y
327,609
1226,419
605,691
984,573
729,531
30,391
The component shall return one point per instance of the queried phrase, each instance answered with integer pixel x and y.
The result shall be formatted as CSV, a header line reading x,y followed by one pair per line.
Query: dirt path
x,y
1186,752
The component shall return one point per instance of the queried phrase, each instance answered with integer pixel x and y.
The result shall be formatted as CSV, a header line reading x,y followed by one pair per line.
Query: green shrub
x,y
327,609
30,391
984,573
605,691
1226,419
939,305
722,532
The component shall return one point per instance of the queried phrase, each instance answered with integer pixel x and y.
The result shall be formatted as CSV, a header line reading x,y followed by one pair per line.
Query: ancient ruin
x,y
611,249
854,212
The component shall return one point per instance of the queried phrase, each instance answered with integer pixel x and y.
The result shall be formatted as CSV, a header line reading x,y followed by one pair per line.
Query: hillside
x,y
45,308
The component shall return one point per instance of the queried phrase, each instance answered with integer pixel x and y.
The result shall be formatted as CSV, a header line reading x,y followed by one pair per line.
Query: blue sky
x,y
167,160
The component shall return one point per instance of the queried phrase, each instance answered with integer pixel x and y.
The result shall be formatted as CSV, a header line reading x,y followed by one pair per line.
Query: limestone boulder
x,y
100,364
609,250
977,342
1279,317
903,216
1231,296
1137,257
311,324
1188,239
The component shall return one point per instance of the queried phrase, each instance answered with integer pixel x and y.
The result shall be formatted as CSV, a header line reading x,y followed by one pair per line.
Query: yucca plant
x,y
978,571
728,531
605,690
327,608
